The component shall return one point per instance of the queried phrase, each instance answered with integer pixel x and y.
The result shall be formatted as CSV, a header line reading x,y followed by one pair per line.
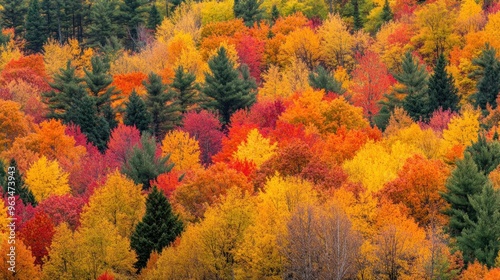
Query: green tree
x,y
154,18
485,154
35,35
466,180
227,91
488,86
143,165
164,110
386,14
136,113
414,79
158,229
275,14
132,14
98,83
103,17
441,88
321,79
358,22
248,10
185,88
13,14
480,239
20,187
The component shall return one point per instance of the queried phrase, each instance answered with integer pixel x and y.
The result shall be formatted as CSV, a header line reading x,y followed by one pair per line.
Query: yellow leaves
x,y
164,31
256,148
9,52
184,151
45,178
179,43
462,130
276,85
469,17
336,43
24,262
214,11
118,202
302,44
152,58
56,56
424,141
13,123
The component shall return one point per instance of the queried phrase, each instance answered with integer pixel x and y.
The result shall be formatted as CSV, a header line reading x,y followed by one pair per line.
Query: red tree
x,y
64,208
122,140
251,52
37,234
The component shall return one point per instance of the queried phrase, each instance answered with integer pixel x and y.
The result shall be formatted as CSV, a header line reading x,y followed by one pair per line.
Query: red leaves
x,y
123,138
251,52
37,234
65,208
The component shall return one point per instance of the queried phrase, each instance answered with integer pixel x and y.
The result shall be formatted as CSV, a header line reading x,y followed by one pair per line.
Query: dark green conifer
x,y
358,22
98,82
13,14
159,227
136,113
441,89
386,12
154,18
35,35
248,10
321,79
19,187
185,88
103,17
488,86
132,14
485,154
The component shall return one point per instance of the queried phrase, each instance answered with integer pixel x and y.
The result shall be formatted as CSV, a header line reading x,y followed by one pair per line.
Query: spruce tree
x,y
441,89
488,86
185,88
132,14
321,79
414,79
466,180
35,35
275,14
154,18
98,83
13,14
142,165
358,22
227,91
480,239
164,110
159,227
20,188
386,14
248,10
485,154
136,113
103,17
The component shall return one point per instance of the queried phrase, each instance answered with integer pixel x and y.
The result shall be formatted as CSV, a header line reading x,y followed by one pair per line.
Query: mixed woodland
x,y
251,139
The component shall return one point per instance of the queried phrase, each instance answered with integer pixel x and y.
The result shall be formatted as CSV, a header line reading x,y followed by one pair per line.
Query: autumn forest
x,y
250,139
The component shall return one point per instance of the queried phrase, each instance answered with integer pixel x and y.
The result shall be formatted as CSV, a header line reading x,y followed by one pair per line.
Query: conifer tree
x,y
275,14
159,227
488,86
20,188
35,35
228,92
154,18
248,10
143,165
321,79
13,14
164,110
480,239
136,113
132,14
386,12
103,15
358,22
485,154
185,88
98,83
466,180
441,89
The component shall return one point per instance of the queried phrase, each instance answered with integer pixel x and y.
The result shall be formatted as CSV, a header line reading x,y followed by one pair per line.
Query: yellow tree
x,y
63,261
462,130
256,148
119,202
336,43
302,44
276,85
13,123
469,17
215,11
184,151
46,178
25,268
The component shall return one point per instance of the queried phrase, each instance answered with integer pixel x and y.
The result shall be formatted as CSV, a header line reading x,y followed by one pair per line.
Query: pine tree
x,y
136,113
441,88
386,14
248,10
358,22
159,227
488,86
132,14
154,18
185,88
485,154
103,15
228,92
98,83
109,115
321,79
20,188
164,110
275,14
466,180
480,239
13,14
35,36
414,79
142,165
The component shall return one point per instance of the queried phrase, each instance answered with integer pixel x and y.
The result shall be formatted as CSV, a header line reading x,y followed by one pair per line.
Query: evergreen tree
x,y
4,39
159,227
20,188
13,14
185,88
132,15
480,239
386,14
109,114
142,165
358,22
275,14
154,18
466,180
413,77
321,79
164,110
485,154
136,113
35,36
441,89
488,86
98,83
248,10
228,92
103,15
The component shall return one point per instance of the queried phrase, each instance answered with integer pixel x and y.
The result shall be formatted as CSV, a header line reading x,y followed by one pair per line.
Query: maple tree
x,y
183,150
37,235
46,178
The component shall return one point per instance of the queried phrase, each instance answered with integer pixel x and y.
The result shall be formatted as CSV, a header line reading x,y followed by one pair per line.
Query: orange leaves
x,y
127,82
